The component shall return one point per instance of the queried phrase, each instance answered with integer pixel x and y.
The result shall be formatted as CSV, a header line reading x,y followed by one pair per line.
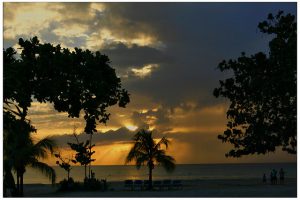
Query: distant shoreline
x,y
191,188
182,171
206,164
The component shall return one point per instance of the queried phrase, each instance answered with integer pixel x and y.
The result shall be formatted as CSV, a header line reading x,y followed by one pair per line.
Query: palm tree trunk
x,y
150,178
21,185
18,183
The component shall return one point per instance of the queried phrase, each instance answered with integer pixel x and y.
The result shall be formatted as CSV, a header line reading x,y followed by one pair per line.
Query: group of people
x,y
273,177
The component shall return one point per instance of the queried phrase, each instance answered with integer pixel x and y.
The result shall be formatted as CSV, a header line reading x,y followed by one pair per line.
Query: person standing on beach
x,y
274,172
272,178
264,178
281,176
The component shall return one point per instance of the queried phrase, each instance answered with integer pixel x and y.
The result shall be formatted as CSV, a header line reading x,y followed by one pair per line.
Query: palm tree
x,y
32,153
21,151
146,150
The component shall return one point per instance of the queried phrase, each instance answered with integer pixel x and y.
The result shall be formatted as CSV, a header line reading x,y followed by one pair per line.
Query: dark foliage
x,y
83,153
91,184
64,164
68,185
262,92
73,81
94,184
20,151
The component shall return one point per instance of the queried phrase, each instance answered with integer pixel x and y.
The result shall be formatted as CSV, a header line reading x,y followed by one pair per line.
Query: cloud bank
x,y
166,55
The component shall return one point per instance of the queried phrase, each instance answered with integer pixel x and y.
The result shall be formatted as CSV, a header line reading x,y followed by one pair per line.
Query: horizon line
x,y
284,162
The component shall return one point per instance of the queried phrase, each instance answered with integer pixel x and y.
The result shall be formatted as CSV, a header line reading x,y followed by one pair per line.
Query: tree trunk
x,y
84,171
150,178
91,135
18,183
21,184
68,175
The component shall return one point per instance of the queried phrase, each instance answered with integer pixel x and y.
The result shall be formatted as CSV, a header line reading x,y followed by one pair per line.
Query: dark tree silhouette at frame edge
x,y
73,81
263,111
20,151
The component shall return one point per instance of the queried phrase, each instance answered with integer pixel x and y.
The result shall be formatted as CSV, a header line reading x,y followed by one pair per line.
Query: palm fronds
x,y
167,162
164,141
45,169
145,150
42,146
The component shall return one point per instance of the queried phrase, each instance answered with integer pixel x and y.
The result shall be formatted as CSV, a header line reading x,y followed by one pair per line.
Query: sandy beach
x,y
191,188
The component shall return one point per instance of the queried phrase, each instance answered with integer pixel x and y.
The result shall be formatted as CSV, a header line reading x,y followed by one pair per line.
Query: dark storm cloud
x,y
75,12
48,34
122,135
159,118
115,18
197,37
122,55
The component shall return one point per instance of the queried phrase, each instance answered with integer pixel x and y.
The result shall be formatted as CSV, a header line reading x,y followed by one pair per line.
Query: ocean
x,y
182,172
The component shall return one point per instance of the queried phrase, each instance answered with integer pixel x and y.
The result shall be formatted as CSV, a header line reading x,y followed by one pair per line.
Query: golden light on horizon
x,y
131,127
144,111
103,154
105,129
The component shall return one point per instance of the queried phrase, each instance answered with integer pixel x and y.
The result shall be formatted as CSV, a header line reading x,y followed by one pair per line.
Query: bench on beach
x,y
128,184
138,184
157,184
177,184
146,184
167,184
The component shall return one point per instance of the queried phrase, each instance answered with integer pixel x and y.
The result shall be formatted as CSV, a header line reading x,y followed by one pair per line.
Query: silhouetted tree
x,y
64,164
146,150
262,91
73,81
20,151
83,153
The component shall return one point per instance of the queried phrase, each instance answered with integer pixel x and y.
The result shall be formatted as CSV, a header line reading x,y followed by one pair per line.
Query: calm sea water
x,y
183,172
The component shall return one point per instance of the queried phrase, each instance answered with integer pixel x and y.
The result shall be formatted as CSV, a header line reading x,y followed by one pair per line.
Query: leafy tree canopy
x,y
63,163
83,152
262,92
73,81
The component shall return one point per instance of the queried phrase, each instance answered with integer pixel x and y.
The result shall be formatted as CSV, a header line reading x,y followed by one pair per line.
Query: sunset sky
x,y
166,55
